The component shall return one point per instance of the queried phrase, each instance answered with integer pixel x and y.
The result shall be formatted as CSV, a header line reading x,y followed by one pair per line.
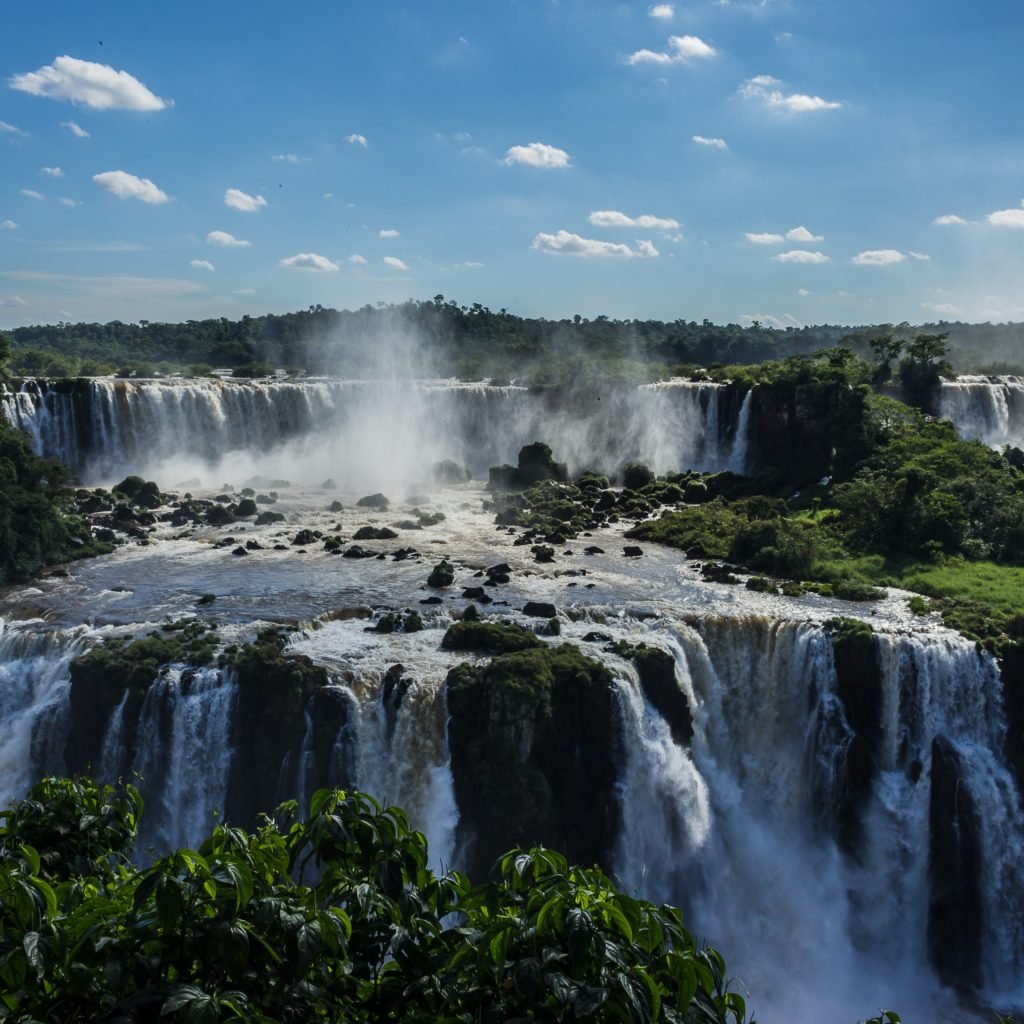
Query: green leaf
x,y
620,920
34,952
181,997
32,856
168,902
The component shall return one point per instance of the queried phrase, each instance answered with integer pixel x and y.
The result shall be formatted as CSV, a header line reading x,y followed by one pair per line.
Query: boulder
x,y
539,609
636,475
377,501
246,507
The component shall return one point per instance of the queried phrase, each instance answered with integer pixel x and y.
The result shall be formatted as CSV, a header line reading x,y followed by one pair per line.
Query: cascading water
x,y
989,409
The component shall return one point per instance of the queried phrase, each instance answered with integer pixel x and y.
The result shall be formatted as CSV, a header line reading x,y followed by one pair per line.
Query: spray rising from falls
x,y
366,432
988,409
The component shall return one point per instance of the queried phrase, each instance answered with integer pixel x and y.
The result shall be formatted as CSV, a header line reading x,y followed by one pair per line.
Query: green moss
x,y
492,637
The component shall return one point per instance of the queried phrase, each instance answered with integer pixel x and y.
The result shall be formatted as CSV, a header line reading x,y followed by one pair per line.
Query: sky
x,y
787,161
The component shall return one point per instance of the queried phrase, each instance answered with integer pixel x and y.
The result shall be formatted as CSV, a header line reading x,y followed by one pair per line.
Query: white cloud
x,y
803,293
537,154
918,255
77,130
714,143
356,139
800,256
226,239
11,129
358,260
245,291
878,257
470,265
764,88
128,186
51,172
948,218
202,265
394,262
309,261
388,233
942,308
65,201
1007,218
96,85
615,219
801,234
239,200
764,238
568,244
664,11
289,158
684,48
7,225
31,193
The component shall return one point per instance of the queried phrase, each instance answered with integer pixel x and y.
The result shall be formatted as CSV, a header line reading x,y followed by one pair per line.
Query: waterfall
x,y
739,457
988,409
361,433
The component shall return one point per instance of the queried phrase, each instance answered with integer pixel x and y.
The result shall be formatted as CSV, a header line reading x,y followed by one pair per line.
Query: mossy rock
x,y
442,575
490,637
374,533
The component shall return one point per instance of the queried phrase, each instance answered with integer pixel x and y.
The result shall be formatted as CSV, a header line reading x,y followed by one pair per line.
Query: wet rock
x,y
218,515
377,501
374,533
433,599
632,551
594,637
442,575
253,545
490,637
306,537
593,549
330,484
239,551
543,553
246,507
477,594
266,499
335,506
636,475
448,472
540,609
358,552
266,518
224,499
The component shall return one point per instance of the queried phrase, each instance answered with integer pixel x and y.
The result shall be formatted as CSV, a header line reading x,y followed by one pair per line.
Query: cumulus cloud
x,y
95,85
128,186
358,260
615,219
663,11
76,129
10,129
356,139
309,261
1007,218
800,256
202,265
226,239
51,172
878,257
567,244
764,238
31,193
801,234
765,88
7,225
537,154
683,49
948,218
388,233
714,143
394,262
239,200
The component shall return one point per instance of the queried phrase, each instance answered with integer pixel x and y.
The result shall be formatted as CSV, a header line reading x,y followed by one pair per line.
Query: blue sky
x,y
792,161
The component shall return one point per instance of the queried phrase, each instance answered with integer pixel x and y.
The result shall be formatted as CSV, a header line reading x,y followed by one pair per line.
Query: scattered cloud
x,y
1007,218
800,256
7,225
65,201
615,219
663,11
712,142
289,158
11,129
683,49
803,293
764,238
948,218
394,262
226,239
942,308
202,265
309,261
470,265
12,300
30,193
76,129
358,260
537,154
51,172
128,186
239,200
765,88
95,85
801,234
245,291
567,244
388,233
356,139
878,257
918,255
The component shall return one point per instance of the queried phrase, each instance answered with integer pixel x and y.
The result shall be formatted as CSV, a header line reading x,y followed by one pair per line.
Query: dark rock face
x,y
790,433
1011,670
534,739
954,869
377,501
330,712
860,690
657,671
536,463
268,727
